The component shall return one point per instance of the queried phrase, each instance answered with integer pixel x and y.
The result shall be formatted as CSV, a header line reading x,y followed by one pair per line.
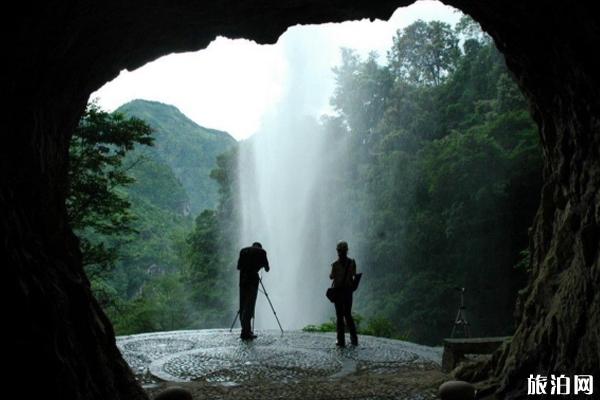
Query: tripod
x,y
263,291
461,319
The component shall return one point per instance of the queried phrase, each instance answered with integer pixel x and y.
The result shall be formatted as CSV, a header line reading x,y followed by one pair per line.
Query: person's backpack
x,y
356,281
333,293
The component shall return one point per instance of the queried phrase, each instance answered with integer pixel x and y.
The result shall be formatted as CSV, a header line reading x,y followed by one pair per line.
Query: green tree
x,y
361,92
96,204
424,53
446,183
161,305
209,270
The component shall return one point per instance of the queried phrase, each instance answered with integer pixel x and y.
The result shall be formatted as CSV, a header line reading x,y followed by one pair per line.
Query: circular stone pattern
x,y
246,363
157,347
383,354
219,356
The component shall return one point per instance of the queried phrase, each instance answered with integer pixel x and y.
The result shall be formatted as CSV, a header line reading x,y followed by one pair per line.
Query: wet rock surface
x,y
218,364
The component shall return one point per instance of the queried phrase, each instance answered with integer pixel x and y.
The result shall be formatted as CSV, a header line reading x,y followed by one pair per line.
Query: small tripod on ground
x,y
461,319
263,291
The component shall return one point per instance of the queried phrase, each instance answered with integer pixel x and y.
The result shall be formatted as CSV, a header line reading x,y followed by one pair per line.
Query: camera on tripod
x,y
461,320
263,291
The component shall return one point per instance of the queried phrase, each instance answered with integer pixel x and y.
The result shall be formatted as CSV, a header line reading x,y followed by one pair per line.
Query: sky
x,y
234,85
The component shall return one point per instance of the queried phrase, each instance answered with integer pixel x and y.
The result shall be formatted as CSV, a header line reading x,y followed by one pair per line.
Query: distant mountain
x,y
156,184
189,149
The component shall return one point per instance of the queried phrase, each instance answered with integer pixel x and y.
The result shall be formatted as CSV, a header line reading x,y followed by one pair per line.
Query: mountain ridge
x,y
125,107
188,148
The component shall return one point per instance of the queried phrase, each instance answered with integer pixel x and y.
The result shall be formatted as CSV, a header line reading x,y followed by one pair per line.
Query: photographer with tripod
x,y
251,260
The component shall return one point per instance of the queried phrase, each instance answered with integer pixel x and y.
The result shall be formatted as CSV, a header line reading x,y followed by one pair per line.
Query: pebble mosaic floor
x,y
220,357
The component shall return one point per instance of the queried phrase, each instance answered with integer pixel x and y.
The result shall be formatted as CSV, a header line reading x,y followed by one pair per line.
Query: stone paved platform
x,y
220,357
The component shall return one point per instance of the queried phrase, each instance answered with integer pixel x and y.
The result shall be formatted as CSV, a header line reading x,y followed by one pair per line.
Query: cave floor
x,y
216,364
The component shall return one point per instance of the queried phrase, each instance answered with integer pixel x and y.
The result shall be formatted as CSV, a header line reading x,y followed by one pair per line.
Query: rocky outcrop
x,y
558,313
60,52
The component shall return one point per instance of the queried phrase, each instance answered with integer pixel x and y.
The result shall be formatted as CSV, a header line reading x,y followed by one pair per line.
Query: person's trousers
x,y
248,293
343,312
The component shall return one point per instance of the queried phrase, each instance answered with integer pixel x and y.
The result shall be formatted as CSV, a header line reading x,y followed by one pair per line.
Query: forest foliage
x,y
139,238
449,156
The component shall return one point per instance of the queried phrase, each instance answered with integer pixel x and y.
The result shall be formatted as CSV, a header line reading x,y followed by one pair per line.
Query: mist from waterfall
x,y
288,182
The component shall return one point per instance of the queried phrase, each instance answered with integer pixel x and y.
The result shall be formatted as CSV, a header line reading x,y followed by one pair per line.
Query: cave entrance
x,y
63,53
382,145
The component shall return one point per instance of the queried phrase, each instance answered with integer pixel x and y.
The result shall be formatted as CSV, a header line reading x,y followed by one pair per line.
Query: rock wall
x,y
548,48
60,52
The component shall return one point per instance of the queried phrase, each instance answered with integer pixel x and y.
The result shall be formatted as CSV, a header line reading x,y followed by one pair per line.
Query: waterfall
x,y
287,174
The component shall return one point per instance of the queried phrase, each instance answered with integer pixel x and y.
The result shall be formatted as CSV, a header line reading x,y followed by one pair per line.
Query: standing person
x,y
251,260
343,271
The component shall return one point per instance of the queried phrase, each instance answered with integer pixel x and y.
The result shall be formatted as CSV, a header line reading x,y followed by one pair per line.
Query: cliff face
x,y
558,313
60,52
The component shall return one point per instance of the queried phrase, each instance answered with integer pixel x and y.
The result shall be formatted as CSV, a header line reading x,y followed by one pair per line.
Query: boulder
x,y
456,390
174,393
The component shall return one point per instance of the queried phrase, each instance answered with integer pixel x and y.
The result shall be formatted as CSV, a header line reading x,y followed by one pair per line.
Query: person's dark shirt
x,y
251,260
342,272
